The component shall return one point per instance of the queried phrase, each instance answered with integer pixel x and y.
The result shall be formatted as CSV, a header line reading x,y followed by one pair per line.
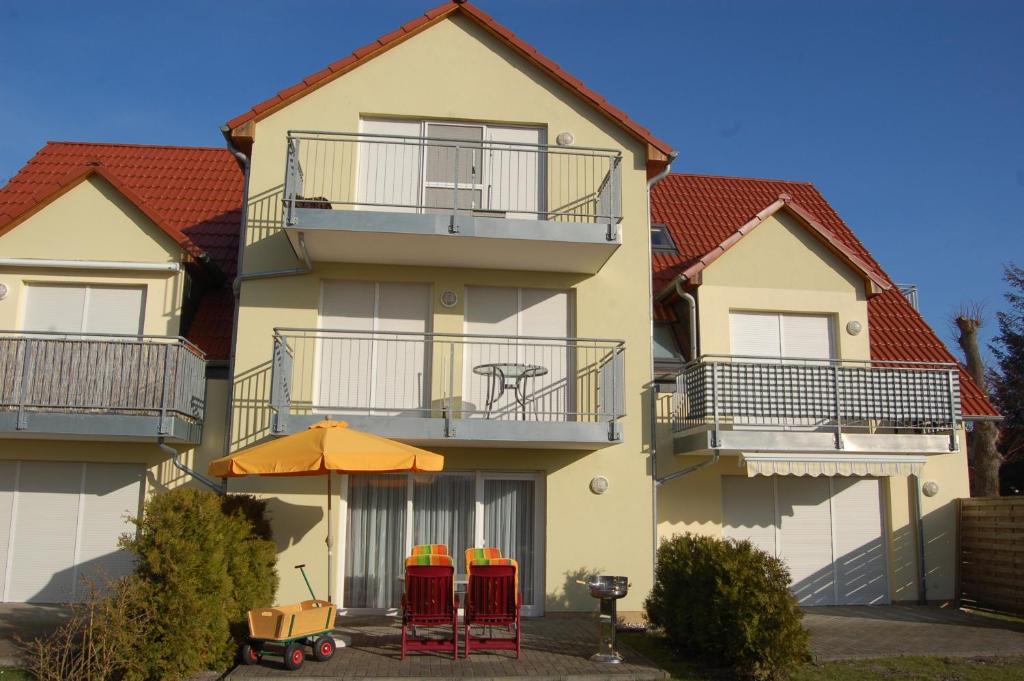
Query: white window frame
x,y
539,479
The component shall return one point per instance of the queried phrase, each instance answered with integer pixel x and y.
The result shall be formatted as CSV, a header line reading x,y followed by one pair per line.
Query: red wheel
x,y
249,654
293,656
323,648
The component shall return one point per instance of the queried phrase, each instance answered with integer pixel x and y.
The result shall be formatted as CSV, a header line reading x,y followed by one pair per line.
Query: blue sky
x,y
909,116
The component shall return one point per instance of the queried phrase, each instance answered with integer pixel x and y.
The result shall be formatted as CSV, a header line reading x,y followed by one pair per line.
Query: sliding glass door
x,y
386,514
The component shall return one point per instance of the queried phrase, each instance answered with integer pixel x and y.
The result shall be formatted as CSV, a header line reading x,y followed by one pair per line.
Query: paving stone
x,y
864,632
553,648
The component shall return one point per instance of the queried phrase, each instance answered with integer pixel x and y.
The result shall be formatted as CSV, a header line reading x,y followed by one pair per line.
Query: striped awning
x,y
879,465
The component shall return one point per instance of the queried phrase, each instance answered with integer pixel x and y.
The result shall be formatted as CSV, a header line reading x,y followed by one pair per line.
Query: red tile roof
x,y
703,211
429,18
194,194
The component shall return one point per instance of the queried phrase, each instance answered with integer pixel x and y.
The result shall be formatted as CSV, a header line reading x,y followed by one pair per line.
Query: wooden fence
x,y
991,540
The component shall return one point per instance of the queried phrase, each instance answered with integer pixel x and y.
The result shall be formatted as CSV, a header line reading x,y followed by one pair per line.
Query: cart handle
x,y
301,568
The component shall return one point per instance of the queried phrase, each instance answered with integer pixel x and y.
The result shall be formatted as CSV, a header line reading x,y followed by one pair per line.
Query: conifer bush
x,y
728,604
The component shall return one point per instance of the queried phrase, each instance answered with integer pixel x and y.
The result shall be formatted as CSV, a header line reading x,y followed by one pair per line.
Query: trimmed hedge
x,y
728,604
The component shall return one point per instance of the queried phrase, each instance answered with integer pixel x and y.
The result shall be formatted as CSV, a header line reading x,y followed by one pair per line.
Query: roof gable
x,y
13,214
194,194
786,203
242,127
703,212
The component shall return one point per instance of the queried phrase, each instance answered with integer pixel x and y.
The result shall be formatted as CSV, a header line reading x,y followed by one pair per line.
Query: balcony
x,y
140,388
451,389
752,404
351,197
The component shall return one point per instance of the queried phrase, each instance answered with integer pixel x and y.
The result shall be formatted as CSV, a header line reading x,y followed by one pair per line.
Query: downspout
x,y
654,391
691,303
922,571
220,488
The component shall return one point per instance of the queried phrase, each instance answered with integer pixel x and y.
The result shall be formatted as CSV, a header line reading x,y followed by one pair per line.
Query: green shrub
x,y
728,604
203,567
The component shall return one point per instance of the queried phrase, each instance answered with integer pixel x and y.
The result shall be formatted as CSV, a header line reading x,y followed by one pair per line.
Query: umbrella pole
x,y
330,540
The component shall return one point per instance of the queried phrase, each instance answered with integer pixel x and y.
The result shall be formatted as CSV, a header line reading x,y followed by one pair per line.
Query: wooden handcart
x,y
285,631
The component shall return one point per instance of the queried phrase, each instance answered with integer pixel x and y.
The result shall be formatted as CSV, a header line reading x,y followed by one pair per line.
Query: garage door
x,y
60,522
829,531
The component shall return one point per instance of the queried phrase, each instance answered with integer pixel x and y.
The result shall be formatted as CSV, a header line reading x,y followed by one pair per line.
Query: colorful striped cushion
x,y
486,552
436,549
428,559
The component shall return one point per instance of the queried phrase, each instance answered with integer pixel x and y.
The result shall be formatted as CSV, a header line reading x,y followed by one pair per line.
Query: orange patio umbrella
x,y
326,447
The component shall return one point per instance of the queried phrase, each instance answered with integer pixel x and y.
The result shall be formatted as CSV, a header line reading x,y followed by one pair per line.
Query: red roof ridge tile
x,y
427,19
139,145
743,179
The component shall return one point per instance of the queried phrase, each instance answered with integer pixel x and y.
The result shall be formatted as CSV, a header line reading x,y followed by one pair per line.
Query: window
x,y
665,345
661,240
775,335
490,170
79,308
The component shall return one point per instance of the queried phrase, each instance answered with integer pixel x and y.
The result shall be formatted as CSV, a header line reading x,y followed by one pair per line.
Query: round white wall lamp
x,y
599,485
565,139
449,298
854,327
930,488
4,291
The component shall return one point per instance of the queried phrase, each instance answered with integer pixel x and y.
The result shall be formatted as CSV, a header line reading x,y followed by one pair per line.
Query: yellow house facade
x,y
527,285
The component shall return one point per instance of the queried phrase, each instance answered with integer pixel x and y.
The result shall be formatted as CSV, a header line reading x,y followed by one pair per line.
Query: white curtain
x,y
375,543
509,525
443,513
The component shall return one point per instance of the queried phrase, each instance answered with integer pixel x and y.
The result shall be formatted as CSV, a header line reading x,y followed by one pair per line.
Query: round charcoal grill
x,y
607,589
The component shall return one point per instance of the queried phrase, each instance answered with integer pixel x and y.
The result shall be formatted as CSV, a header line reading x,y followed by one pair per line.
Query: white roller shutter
x,y
390,170
539,313
859,548
109,497
774,335
62,521
829,532
84,309
805,529
45,532
380,373
8,483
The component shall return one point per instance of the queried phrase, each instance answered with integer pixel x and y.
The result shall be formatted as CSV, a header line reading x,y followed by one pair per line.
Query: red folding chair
x,y
429,601
493,600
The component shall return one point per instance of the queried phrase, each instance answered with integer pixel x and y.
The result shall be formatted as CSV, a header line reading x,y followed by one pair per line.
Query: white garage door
x,y
828,530
60,522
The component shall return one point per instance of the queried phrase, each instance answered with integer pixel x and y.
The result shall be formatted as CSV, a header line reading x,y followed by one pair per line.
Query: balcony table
x,y
499,375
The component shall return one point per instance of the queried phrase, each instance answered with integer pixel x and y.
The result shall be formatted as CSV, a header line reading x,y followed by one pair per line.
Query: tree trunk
x,y
982,454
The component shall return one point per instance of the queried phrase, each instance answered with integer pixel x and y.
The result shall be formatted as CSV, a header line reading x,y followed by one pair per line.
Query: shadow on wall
x,y
861,574
252,413
573,597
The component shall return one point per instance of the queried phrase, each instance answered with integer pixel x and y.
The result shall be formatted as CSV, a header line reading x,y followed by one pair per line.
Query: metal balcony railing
x,y
355,171
101,374
721,391
450,376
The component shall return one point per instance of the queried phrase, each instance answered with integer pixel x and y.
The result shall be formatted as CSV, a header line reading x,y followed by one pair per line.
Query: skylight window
x,y
661,240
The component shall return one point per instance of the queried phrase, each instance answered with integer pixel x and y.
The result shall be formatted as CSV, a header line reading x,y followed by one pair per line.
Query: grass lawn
x,y
9,674
885,669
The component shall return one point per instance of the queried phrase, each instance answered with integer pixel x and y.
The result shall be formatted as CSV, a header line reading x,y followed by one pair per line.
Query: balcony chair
x,y
493,599
429,601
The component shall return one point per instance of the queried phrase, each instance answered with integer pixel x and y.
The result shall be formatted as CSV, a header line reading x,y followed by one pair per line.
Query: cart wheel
x,y
323,648
293,656
249,653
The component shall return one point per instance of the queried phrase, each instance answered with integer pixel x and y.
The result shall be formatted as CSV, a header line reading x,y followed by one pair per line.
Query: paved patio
x,y
864,632
553,648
